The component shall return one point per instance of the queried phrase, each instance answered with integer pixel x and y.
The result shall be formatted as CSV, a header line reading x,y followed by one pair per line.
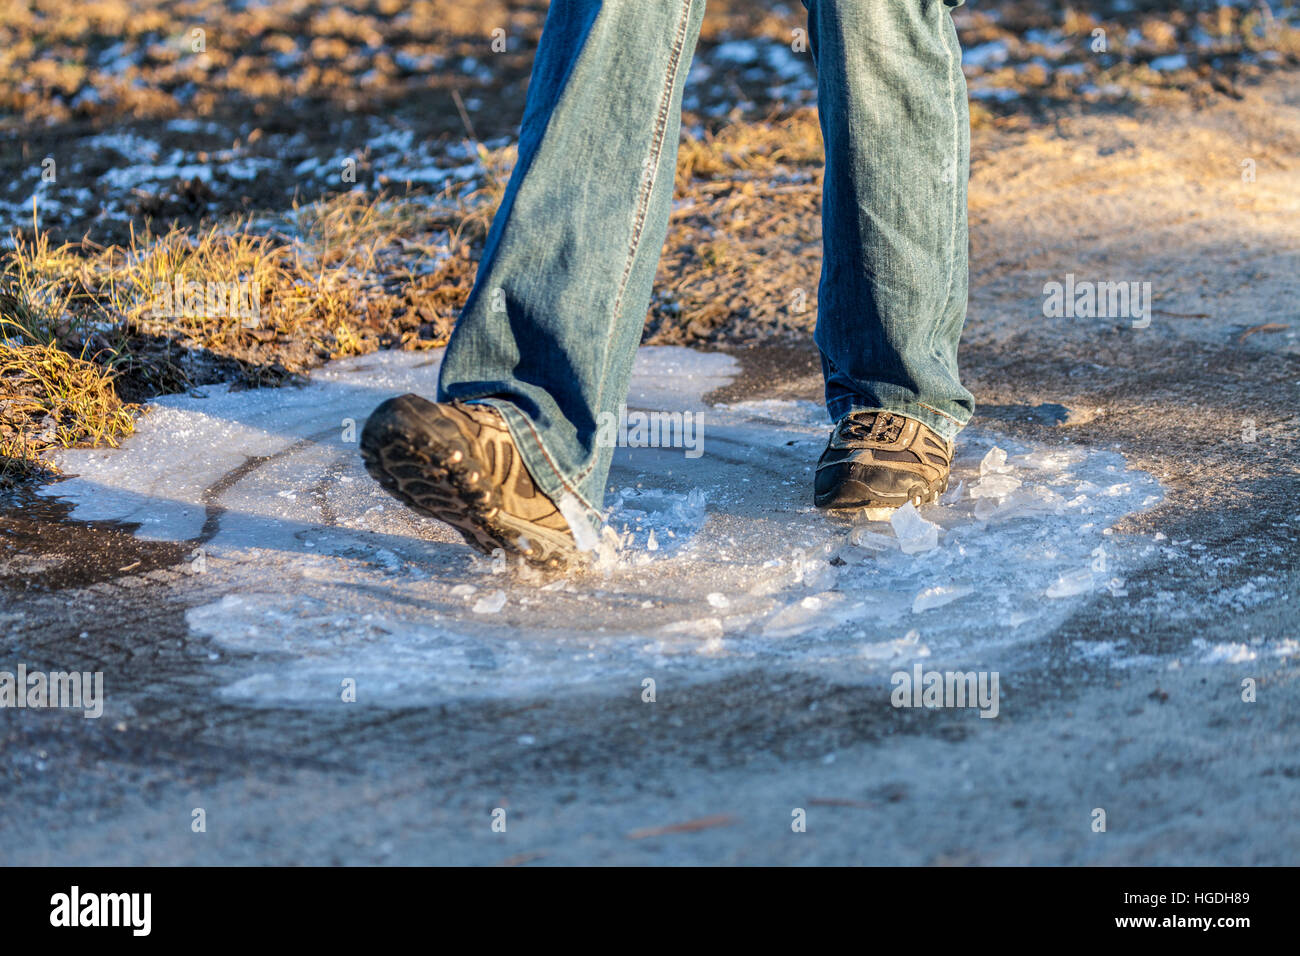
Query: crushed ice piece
x,y
463,590
994,485
716,599
820,575
1070,584
863,537
909,644
651,544
994,463
878,514
914,533
953,494
584,532
797,618
812,572
490,603
938,596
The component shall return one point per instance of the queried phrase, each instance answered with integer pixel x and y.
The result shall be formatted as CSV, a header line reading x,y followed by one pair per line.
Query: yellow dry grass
x,y
49,398
324,281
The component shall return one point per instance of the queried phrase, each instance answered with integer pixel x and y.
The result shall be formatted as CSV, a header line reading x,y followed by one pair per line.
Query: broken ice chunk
x,y
819,575
913,532
994,486
996,480
812,572
938,596
909,645
490,603
584,533
1071,583
994,463
863,537
718,600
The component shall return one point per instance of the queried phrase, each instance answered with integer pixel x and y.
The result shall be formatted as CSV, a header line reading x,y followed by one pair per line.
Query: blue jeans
x,y
550,330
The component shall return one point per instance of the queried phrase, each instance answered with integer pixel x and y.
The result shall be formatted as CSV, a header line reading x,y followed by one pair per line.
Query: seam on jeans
x,y
931,408
950,31
643,201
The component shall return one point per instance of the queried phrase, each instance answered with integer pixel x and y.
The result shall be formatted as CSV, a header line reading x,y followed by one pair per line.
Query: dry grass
x,y
50,399
750,149
87,328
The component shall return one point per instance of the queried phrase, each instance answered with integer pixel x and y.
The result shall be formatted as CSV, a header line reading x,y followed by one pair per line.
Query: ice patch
x,y
1227,653
709,565
985,55
1174,61
787,412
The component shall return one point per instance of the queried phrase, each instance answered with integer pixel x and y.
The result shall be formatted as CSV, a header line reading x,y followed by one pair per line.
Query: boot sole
x,y
847,497
419,455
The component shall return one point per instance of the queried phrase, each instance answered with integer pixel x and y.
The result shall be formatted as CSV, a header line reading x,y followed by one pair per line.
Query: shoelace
x,y
864,428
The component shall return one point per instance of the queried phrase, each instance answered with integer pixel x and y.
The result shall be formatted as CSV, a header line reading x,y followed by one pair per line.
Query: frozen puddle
x,y
319,576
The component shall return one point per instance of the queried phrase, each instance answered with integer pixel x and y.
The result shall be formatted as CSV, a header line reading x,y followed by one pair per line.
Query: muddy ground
x,y
1205,400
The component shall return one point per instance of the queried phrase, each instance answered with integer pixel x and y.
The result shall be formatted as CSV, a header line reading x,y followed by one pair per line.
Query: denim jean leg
x,y
892,295
550,330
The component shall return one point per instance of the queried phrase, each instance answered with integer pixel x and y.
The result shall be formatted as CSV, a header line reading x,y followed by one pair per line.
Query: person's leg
x,y
550,330
892,296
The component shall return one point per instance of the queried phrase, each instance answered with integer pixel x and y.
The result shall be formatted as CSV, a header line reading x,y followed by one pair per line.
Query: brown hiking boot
x,y
881,460
457,462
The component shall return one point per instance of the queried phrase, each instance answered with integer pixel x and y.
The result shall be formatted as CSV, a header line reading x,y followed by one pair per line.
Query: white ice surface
x,y
319,576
